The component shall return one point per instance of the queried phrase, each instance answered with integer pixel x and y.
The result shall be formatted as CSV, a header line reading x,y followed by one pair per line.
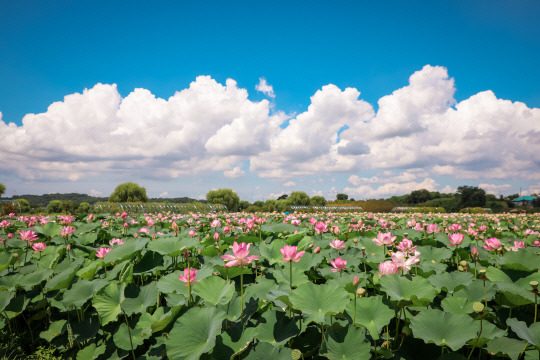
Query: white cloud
x,y
94,192
265,88
236,172
419,135
164,194
496,189
390,189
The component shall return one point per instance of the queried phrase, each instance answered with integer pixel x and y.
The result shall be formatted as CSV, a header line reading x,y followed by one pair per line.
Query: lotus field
x,y
273,286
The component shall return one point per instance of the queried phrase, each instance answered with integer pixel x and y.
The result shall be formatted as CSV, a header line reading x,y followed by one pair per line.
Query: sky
x,y
371,99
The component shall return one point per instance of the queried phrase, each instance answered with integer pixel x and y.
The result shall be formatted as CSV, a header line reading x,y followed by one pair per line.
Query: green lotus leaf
x,y
271,252
317,301
167,318
531,333
521,260
55,329
86,329
126,251
81,291
348,344
108,302
91,352
452,330
515,294
214,290
89,270
6,259
489,332
126,274
122,340
35,278
405,288
260,290
265,351
475,291
275,327
194,333
508,346
282,275
16,306
233,342
10,282
372,313
86,239
169,246
457,305
432,257
5,298
171,284
497,275
149,262
451,281
62,280
138,299
49,229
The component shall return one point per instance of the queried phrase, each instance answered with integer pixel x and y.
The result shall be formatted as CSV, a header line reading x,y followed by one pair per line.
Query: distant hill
x,y
43,200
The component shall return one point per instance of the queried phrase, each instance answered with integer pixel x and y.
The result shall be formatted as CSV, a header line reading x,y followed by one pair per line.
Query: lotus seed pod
x,y
405,235
296,354
478,307
406,330
463,263
460,268
534,285
360,291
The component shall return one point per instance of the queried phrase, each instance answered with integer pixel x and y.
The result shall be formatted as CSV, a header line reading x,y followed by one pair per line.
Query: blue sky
x,y
54,49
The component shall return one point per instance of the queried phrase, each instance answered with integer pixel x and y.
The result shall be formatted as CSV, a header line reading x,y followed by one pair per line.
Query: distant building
x,y
523,201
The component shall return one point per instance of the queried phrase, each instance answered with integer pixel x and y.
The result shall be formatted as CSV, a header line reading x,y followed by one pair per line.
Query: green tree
x,y
2,189
317,201
283,205
419,196
129,192
225,197
84,207
258,203
471,196
243,205
24,204
54,206
68,206
298,198
342,197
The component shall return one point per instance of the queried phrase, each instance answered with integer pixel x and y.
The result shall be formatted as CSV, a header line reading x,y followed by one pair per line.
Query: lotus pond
x,y
272,286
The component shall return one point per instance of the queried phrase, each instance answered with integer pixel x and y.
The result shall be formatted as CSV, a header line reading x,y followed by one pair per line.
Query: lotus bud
x,y
356,280
311,245
406,331
317,249
460,268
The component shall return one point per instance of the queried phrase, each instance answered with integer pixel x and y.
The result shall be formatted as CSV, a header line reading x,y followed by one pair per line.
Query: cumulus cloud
x,y
209,127
236,172
265,88
496,189
95,192
164,194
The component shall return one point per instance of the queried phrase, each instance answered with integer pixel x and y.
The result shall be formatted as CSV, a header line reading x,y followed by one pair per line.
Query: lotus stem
x,y
354,314
242,294
290,283
129,332
476,341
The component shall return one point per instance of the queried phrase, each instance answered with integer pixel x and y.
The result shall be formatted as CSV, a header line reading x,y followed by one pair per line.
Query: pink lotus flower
x,y
456,239
241,252
192,233
67,230
536,243
406,246
290,253
216,223
517,245
384,239
312,221
39,246
189,276
474,252
335,230
10,236
145,230
356,281
226,230
4,224
101,252
28,235
432,228
90,218
320,227
116,241
317,250
337,244
403,261
338,264
492,244
216,236
388,268
124,215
